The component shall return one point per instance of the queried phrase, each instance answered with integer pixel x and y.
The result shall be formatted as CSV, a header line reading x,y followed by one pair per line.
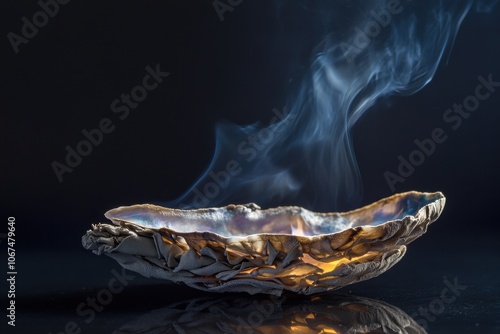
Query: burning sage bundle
x,y
243,248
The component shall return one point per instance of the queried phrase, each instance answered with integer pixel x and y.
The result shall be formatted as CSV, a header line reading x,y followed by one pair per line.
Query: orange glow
x,y
330,266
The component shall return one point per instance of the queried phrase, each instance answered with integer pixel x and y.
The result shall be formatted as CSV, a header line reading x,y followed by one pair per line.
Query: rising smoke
x,y
305,155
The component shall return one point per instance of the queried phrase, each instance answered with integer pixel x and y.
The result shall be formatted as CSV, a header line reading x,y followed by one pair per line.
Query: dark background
x,y
65,78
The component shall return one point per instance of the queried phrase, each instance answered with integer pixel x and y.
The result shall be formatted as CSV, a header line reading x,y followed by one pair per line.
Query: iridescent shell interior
x,y
244,248
243,220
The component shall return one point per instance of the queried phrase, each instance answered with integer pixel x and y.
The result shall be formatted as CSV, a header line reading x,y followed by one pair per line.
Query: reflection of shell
x,y
243,248
270,314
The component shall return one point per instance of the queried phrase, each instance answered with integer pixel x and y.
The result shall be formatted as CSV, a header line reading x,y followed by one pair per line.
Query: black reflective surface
x,y
436,288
